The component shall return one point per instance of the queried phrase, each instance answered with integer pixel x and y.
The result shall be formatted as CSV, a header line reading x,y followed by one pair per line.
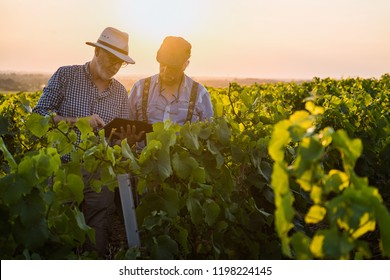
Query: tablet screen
x,y
119,122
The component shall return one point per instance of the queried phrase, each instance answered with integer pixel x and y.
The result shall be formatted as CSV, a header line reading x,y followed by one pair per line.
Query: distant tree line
x,y
22,82
31,82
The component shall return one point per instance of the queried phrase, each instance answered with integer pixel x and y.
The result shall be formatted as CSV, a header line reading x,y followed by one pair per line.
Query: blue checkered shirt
x,y
71,92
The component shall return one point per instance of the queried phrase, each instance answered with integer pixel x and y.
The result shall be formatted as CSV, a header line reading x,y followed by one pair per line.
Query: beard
x,y
168,80
106,73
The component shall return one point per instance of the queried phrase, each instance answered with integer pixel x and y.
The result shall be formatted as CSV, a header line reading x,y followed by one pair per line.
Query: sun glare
x,y
149,22
157,19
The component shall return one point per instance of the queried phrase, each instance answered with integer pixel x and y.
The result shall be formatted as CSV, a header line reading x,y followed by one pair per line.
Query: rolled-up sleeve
x,y
135,97
52,94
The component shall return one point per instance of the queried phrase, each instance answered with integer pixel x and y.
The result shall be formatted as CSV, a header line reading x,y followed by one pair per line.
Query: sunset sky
x,y
282,39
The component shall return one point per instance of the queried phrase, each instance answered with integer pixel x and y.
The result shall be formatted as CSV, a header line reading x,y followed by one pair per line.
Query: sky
x,y
278,39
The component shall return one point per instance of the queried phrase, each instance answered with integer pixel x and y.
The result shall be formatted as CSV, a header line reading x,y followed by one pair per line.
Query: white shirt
x,y
160,109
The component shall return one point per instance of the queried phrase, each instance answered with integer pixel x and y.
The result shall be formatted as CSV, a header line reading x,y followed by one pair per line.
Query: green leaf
x,y
4,125
279,180
63,127
190,136
310,149
108,177
79,216
76,186
30,210
38,124
195,209
265,170
279,139
199,175
350,149
222,131
306,178
301,122
7,155
187,168
63,143
331,244
69,187
315,214
164,164
149,152
326,136
91,151
212,147
221,226
150,204
31,237
127,153
85,127
225,184
13,187
170,199
284,215
165,132
183,164
301,243
238,153
313,109
211,210
183,240
302,119
296,132
152,221
25,104
38,166
382,217
110,153
47,162
27,170
336,181
284,199
156,157
165,248
204,132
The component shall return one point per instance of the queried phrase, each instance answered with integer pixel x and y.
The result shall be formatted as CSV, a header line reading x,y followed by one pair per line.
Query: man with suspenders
x,y
170,94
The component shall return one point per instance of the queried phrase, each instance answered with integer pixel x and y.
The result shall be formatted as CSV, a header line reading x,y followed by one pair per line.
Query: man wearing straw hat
x,y
90,91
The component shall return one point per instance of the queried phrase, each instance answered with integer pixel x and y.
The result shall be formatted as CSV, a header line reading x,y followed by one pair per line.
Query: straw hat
x,y
116,42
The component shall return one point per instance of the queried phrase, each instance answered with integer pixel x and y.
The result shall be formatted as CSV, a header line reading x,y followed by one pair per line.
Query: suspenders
x,y
145,96
191,105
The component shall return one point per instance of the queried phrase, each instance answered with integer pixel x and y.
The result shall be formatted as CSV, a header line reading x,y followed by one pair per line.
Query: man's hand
x,y
95,121
130,134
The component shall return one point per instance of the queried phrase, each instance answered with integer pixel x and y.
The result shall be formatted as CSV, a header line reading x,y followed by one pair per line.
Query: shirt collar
x,y
185,81
86,69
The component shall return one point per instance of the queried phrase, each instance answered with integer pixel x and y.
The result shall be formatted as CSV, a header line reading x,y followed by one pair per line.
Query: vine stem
x,y
234,111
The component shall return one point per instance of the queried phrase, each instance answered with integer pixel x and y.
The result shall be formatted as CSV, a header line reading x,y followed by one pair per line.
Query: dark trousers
x,y
98,210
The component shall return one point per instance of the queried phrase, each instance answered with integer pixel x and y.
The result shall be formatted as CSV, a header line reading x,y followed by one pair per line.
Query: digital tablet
x,y
119,122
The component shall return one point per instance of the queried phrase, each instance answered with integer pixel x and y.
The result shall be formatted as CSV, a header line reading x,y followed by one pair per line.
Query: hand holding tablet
x,y
134,131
